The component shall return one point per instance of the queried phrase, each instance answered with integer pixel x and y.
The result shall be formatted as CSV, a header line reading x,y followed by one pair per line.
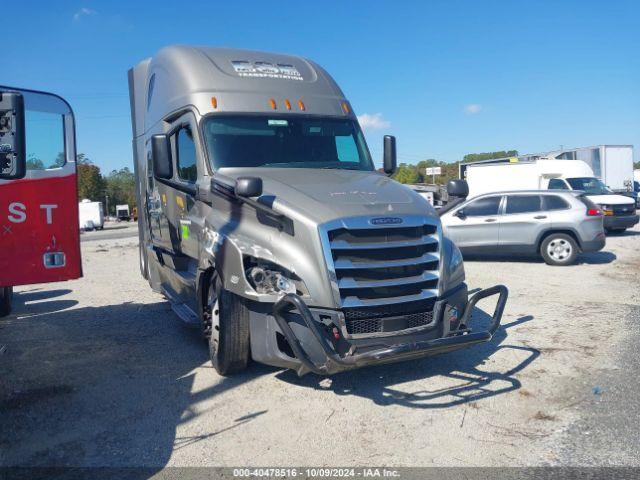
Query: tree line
x,y
115,188
415,173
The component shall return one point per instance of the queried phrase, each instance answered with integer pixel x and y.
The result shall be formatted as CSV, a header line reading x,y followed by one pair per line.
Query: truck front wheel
x,y
559,249
5,300
228,331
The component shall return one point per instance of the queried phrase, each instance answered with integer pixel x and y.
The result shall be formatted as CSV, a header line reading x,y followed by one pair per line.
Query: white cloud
x,y
373,121
83,12
472,108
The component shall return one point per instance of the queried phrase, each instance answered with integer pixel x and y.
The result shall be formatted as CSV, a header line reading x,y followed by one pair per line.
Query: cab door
x,y
39,225
187,168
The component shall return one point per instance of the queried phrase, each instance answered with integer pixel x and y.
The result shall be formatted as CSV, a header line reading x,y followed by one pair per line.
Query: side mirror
x,y
161,156
460,214
458,188
13,158
389,159
248,187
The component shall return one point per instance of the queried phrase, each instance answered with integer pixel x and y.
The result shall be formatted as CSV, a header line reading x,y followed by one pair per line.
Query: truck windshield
x,y
590,185
286,141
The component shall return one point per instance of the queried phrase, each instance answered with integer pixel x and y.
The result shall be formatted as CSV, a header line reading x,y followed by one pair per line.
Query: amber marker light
x,y
287,103
301,105
214,102
345,108
272,102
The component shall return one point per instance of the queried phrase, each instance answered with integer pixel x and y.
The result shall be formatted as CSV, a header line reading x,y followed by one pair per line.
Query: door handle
x,y
540,217
488,220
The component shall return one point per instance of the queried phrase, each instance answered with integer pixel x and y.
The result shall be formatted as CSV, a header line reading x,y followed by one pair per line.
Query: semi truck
x,y
263,220
39,230
487,177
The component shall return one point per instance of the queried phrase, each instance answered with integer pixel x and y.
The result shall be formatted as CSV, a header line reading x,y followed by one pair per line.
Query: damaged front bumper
x,y
315,352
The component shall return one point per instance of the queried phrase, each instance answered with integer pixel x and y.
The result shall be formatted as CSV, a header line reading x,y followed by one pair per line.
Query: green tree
x,y
474,157
407,174
34,163
636,166
121,188
91,185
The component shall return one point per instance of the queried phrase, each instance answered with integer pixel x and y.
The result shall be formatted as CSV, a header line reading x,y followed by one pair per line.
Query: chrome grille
x,y
623,210
383,265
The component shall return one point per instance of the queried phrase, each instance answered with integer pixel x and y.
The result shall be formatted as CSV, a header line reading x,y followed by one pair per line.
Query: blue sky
x,y
446,77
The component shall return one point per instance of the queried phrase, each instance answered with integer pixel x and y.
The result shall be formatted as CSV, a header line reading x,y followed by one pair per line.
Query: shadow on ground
x,y
100,386
592,258
108,386
463,371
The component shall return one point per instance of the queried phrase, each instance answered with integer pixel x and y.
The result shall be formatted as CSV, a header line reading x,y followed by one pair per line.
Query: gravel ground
x,y
100,372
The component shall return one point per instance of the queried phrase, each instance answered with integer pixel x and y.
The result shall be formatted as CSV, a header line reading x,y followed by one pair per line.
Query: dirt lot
x,y
101,372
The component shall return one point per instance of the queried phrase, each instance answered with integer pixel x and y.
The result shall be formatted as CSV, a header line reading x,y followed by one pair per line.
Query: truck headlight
x,y
456,258
269,278
607,210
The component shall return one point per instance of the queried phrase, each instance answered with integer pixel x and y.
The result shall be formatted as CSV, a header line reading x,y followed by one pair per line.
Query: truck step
x,y
185,314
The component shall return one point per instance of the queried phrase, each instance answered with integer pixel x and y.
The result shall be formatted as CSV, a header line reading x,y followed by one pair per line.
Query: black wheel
x,y
559,249
5,300
226,323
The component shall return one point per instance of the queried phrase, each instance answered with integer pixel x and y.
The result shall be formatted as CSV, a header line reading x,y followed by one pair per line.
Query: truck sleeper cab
x,y
263,220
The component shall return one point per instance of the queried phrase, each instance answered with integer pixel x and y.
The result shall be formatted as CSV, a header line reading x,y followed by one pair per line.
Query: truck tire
x,y
559,249
229,333
5,300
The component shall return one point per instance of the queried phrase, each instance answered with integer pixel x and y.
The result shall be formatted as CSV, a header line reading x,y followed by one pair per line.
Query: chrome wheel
x,y
213,310
559,249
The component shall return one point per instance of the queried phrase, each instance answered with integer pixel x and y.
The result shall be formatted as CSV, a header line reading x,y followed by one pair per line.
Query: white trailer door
x,y
618,167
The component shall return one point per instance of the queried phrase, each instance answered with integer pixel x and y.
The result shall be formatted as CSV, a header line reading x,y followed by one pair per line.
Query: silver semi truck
x,y
263,219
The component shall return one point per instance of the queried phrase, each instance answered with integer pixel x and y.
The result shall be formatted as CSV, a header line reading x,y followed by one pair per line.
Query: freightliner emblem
x,y
385,221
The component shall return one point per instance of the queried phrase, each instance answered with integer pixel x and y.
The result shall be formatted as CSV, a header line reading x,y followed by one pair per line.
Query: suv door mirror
x,y
460,214
458,188
13,158
161,155
248,187
389,159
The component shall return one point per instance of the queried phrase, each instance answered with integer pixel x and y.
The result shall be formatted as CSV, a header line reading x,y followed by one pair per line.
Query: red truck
x,y
39,231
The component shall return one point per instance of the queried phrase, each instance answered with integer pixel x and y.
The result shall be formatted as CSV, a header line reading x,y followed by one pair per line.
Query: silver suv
x,y
557,225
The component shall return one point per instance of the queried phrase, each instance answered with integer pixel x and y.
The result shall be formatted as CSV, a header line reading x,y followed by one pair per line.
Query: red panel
x,y
38,216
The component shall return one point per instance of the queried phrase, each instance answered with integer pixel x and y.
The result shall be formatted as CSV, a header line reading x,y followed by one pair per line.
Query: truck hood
x,y
325,195
610,199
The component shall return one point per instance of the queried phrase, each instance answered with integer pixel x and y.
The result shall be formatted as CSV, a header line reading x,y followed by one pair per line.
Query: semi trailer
x,y
91,215
263,220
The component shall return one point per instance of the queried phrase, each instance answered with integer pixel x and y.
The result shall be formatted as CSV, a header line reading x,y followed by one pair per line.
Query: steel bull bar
x,y
334,363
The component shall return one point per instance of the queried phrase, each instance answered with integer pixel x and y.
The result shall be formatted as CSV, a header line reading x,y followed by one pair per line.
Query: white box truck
x,y
91,215
619,210
613,164
123,213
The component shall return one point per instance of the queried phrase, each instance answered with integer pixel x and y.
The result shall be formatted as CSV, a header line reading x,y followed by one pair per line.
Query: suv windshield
x,y
285,141
590,185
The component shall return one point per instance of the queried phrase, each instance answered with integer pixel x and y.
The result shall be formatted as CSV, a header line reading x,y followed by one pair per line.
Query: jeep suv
x,y
558,225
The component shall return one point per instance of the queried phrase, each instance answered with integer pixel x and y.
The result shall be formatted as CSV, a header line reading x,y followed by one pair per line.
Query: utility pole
x,y
106,197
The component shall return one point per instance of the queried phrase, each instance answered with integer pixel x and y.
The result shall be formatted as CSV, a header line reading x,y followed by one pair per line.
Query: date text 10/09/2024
x,y
316,472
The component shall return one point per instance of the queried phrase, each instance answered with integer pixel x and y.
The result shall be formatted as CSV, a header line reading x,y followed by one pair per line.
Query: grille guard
x,y
334,363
